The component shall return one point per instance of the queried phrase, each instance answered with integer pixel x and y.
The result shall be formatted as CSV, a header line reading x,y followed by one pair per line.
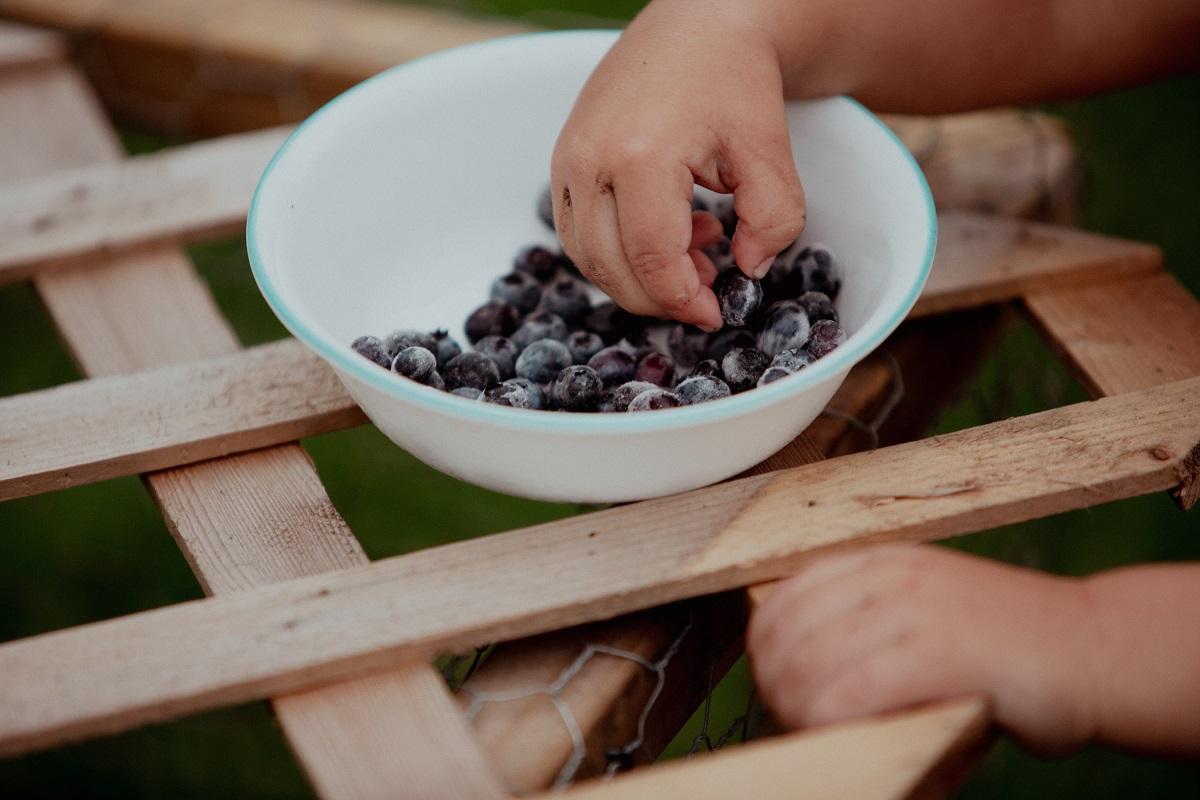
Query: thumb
x,y
769,201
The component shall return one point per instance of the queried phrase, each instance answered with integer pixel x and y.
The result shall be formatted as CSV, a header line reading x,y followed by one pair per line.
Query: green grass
x,y
101,551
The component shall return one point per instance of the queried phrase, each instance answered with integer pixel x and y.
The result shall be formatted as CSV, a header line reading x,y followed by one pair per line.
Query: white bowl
x,y
399,202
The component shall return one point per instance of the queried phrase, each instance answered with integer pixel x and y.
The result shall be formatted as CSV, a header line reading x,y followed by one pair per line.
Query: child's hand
x,y
880,628
690,93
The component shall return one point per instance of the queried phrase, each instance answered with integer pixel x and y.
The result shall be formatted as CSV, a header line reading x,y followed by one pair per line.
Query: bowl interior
x,y
400,202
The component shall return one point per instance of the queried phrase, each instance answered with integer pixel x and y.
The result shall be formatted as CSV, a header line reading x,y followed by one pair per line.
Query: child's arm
x,y
1114,658
693,91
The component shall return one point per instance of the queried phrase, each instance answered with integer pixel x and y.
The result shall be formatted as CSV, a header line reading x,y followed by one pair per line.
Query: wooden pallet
x,y
343,646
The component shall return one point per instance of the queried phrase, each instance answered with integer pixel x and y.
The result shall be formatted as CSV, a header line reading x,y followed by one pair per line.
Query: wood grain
x,y
183,194
288,636
1121,336
220,66
987,259
277,393
888,758
125,424
241,522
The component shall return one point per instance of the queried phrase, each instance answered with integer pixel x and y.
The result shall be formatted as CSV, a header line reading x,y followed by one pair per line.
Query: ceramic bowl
x,y
399,202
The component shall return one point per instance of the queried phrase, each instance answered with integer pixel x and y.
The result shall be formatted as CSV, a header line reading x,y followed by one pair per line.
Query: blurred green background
x,y
99,551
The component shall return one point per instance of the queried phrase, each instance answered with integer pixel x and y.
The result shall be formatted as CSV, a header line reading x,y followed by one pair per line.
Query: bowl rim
x,y
347,362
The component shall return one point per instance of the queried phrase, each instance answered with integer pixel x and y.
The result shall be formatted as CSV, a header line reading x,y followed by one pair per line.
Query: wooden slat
x,y
258,518
987,259
1002,161
22,46
179,195
216,66
279,392
122,425
272,639
1123,336
891,758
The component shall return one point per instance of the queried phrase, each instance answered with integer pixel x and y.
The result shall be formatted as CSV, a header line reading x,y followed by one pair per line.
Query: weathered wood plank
x,y
219,66
180,195
1121,336
888,758
300,633
987,259
279,392
125,424
254,519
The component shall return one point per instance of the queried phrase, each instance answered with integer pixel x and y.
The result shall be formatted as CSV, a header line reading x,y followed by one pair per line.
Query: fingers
x,y
769,201
657,228
591,239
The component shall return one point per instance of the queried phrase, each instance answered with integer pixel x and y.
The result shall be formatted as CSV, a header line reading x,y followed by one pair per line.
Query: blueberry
x,y
537,395
721,343
792,360
656,368
655,399
619,398
539,325
538,261
493,318
743,366
773,374
468,392
698,203
567,265
566,298
688,344
435,380
785,327
701,389
738,295
783,281
508,394
818,306
541,361
583,345
637,345
613,323
545,208
447,348
415,363
373,349
826,335
820,269
474,370
502,352
577,389
614,365
709,367
520,289
398,340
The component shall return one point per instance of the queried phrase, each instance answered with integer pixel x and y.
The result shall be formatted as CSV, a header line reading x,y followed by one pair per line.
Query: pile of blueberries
x,y
539,342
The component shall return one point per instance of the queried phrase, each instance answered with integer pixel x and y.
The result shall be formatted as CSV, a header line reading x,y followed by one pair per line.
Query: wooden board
x,y
987,259
259,518
889,758
184,194
216,66
284,637
125,424
1121,336
279,392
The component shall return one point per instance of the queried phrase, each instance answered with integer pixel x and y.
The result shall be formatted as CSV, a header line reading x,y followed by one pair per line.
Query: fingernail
x,y
709,328
763,268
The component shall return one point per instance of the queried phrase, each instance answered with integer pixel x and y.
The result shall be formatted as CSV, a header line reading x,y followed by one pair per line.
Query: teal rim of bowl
x,y
346,360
